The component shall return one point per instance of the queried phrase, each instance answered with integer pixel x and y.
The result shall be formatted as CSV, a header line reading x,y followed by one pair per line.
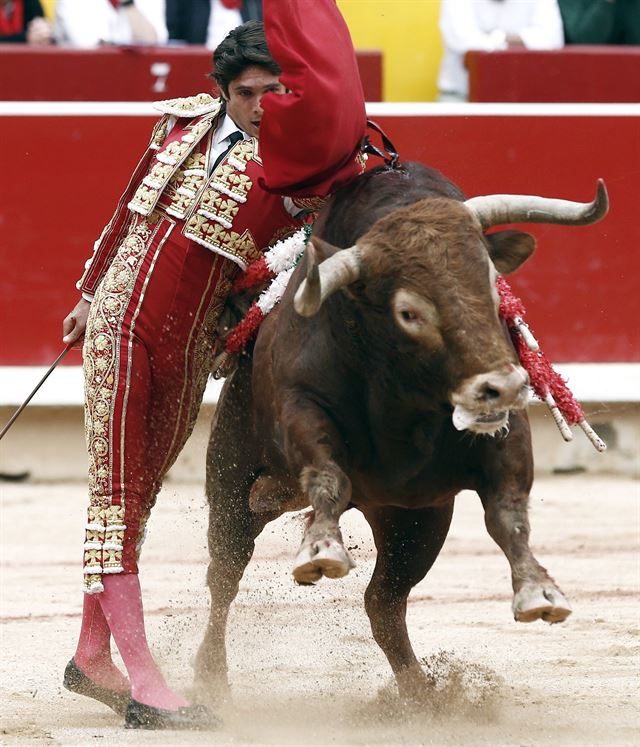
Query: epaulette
x,y
189,106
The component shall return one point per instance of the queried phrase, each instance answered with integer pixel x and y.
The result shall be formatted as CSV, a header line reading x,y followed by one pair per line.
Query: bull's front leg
x,y
322,552
505,497
313,447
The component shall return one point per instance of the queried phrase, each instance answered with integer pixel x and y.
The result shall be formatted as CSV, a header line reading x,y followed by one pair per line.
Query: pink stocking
x,y
121,602
93,654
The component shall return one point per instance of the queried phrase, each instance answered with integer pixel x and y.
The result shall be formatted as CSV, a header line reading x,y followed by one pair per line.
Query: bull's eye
x,y
417,317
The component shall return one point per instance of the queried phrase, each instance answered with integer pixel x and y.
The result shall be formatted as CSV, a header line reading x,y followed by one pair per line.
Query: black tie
x,y
233,139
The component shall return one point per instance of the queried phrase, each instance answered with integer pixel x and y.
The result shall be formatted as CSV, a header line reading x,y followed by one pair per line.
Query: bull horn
x,y
495,210
341,269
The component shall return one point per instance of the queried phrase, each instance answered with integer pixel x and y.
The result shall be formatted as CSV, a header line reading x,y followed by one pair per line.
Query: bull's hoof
x,y
540,603
322,558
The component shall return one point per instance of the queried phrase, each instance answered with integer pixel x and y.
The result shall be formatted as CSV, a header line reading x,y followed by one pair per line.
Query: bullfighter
x,y
221,181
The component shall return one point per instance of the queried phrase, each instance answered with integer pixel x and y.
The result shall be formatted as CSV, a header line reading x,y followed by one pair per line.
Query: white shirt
x,y
484,25
221,141
87,23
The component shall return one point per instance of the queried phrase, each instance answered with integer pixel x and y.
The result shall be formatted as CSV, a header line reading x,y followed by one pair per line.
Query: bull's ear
x,y
323,248
510,249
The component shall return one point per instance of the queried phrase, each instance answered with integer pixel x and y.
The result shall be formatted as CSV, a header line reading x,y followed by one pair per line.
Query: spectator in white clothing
x,y
90,23
490,25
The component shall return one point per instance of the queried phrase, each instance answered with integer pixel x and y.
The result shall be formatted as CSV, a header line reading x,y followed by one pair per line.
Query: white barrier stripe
x,y
589,382
77,109
374,109
463,109
65,386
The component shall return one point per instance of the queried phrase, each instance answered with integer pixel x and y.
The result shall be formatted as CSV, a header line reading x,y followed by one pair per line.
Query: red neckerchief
x,y
14,23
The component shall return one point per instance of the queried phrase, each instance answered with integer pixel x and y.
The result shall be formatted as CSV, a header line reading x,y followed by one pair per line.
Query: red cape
x,y
309,138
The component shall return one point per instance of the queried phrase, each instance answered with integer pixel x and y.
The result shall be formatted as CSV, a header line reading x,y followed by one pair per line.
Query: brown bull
x,y
384,358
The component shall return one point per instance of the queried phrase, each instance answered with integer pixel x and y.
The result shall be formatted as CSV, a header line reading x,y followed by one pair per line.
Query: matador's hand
x,y
74,324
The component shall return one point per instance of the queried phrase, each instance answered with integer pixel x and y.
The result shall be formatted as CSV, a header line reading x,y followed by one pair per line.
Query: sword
x,y
38,385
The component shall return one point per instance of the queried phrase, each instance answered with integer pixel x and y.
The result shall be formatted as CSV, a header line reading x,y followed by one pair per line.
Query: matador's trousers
x,y
147,354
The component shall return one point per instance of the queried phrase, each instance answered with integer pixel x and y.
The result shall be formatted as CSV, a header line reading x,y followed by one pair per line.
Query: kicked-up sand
x,y
304,668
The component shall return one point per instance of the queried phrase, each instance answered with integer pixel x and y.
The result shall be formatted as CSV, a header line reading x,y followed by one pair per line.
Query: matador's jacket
x,y
164,265
215,211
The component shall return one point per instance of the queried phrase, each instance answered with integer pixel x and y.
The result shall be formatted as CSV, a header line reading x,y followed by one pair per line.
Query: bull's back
x,y
354,209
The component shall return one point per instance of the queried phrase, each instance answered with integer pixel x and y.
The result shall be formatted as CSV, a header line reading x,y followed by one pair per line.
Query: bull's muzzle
x,y
482,403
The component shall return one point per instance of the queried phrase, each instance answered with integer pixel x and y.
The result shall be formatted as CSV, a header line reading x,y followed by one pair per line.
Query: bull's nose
x,y
489,393
501,388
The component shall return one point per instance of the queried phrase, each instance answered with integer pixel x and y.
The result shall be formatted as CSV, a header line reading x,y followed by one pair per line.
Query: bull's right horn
x,y
341,269
495,210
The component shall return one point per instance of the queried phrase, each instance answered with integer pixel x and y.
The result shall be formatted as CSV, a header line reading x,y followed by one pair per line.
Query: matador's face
x,y
245,96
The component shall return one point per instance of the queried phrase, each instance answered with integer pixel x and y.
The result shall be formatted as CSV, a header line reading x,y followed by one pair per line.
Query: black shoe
x,y
196,717
77,682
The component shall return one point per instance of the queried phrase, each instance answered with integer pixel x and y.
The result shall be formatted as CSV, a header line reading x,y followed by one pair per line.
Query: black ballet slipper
x,y
77,682
195,717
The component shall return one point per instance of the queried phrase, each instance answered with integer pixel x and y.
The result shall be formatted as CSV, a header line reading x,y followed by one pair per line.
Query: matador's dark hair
x,y
242,47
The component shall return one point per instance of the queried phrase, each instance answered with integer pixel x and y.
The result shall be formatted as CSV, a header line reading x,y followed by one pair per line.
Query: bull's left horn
x,y
495,210
341,269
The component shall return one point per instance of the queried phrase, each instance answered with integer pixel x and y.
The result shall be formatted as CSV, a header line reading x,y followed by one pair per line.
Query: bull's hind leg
x,y
231,470
505,497
408,542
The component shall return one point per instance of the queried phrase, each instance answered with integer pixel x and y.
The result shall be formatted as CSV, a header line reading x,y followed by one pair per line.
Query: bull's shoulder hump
x,y
189,106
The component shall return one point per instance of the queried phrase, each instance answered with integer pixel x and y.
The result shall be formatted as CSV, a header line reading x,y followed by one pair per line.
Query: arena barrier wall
x,y
577,73
66,164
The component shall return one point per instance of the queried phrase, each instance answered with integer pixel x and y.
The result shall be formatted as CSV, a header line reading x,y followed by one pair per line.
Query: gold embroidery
x,y
174,152
157,175
219,205
104,533
210,224
202,103
194,161
159,134
182,191
144,199
169,164
226,179
247,150
227,242
114,515
93,560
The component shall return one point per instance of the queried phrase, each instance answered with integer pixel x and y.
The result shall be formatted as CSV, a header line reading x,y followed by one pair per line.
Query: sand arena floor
x,y
304,668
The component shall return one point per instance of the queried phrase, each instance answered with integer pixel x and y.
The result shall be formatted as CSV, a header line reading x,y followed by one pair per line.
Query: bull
x,y
384,381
